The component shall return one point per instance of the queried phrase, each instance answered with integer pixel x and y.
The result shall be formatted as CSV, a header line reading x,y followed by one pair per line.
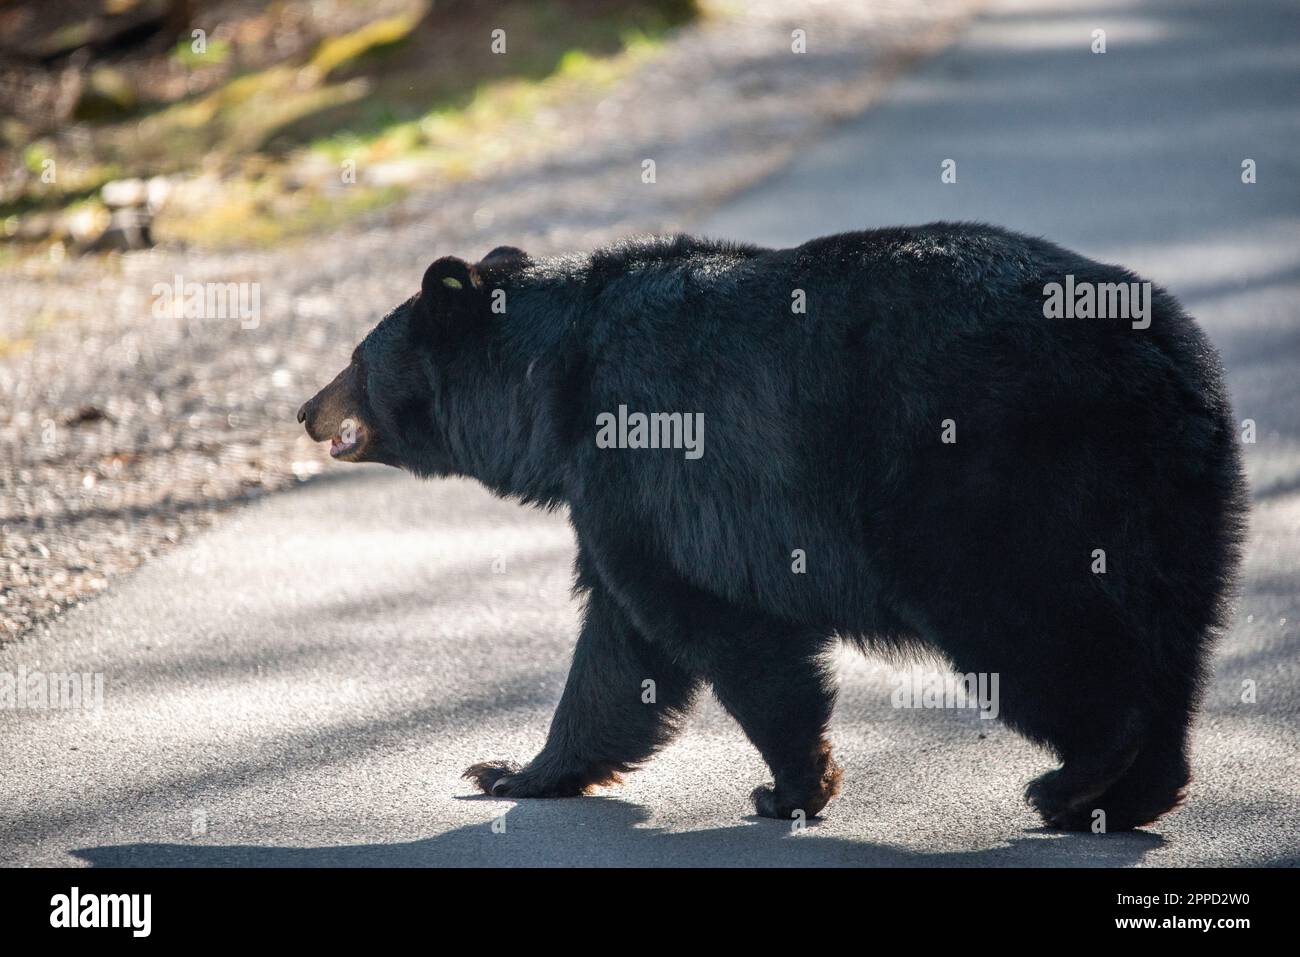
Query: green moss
x,y
372,95
36,154
453,136
72,184
215,53
263,214
337,54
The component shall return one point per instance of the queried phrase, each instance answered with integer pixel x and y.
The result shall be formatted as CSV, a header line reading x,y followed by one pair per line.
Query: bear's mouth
x,y
349,441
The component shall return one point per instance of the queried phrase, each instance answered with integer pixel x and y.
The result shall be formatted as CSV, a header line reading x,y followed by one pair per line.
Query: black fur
x,y
823,433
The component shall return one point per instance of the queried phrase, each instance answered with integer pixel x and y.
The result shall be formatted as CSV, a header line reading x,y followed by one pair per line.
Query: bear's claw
x,y
809,799
767,805
507,779
492,777
1059,806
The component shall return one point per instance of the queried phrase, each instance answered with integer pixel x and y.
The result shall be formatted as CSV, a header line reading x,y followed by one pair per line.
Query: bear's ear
x,y
448,274
451,289
501,263
503,255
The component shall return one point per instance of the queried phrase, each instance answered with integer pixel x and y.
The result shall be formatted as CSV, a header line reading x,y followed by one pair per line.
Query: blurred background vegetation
x,y
125,123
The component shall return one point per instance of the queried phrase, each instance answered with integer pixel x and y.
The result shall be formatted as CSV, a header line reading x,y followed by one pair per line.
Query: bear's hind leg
x,y
608,720
1154,784
1067,797
1120,734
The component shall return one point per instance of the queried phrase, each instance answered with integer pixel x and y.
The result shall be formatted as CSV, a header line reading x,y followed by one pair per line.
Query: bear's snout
x,y
334,414
312,419
309,416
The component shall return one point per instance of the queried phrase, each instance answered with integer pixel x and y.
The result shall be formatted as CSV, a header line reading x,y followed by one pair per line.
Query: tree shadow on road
x,y
606,831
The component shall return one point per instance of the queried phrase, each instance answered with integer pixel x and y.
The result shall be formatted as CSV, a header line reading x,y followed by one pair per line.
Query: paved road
x,y
304,685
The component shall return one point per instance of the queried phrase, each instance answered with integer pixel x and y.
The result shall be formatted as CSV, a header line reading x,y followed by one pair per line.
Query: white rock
x,y
120,193
157,191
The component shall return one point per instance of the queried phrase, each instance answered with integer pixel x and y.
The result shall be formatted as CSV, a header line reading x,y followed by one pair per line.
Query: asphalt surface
x,y
304,685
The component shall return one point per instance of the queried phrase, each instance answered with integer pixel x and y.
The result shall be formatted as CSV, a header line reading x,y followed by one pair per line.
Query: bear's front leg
x,y
609,720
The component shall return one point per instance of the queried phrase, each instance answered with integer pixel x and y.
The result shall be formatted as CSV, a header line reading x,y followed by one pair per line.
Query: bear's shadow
x,y
606,831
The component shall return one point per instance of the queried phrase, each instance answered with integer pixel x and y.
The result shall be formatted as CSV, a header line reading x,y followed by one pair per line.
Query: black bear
x,y
949,437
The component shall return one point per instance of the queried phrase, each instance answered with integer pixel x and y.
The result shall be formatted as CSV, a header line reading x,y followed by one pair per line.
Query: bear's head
x,y
387,406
